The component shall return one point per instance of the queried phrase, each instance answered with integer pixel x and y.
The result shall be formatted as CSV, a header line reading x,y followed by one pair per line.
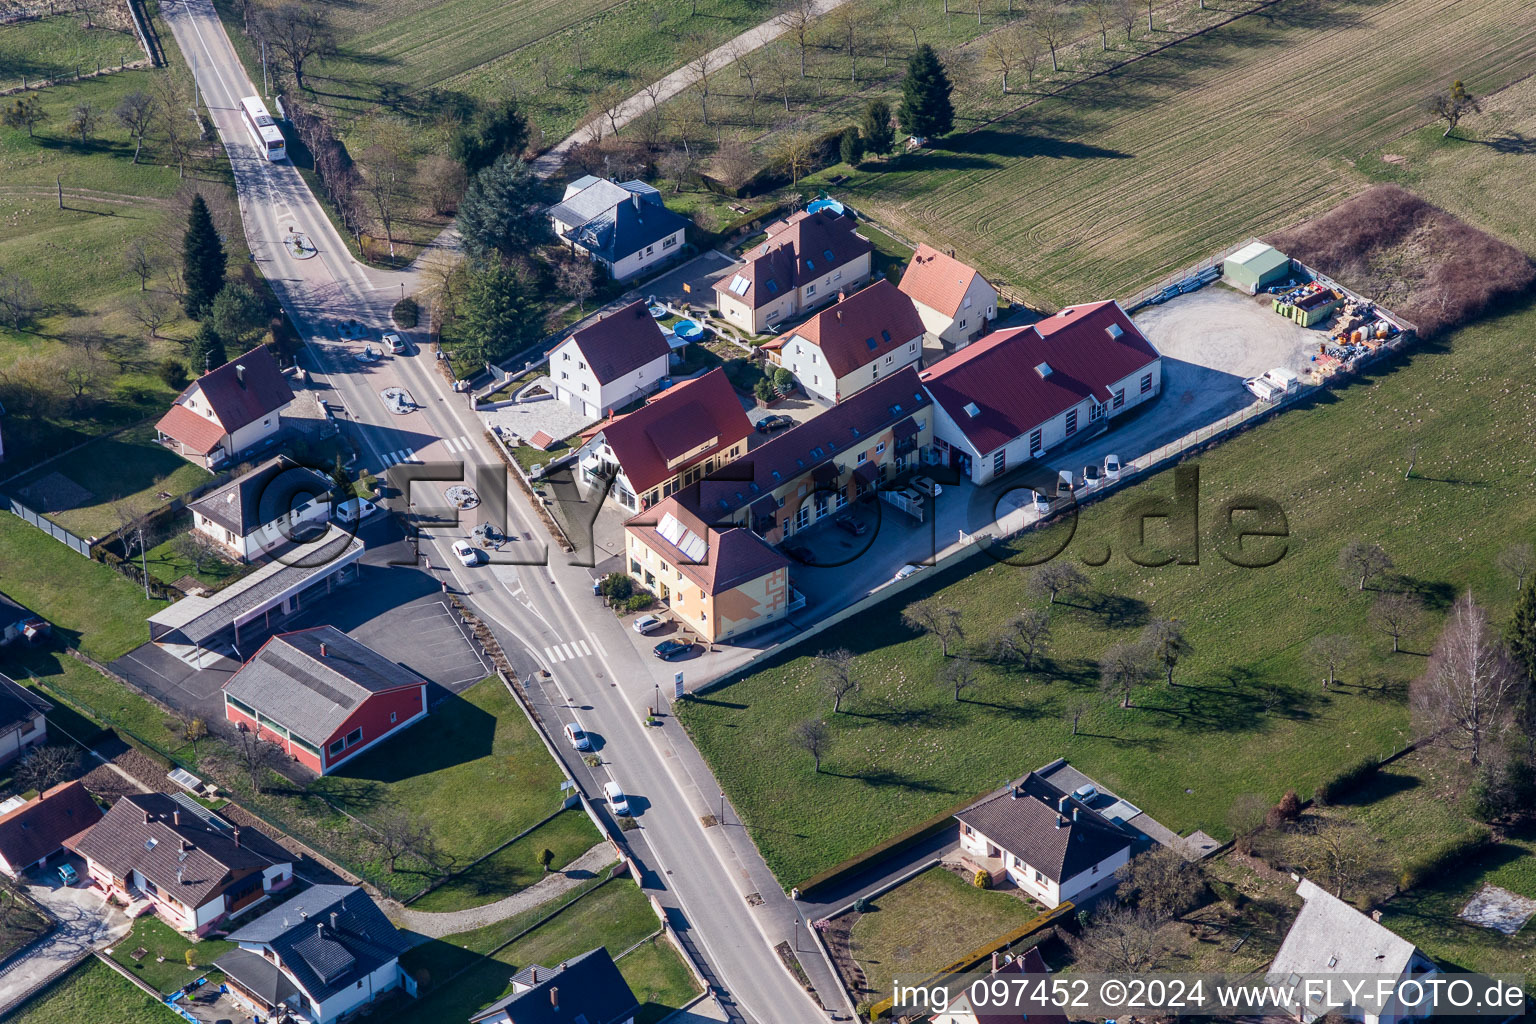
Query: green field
x,y
159,939
85,992
567,836
56,47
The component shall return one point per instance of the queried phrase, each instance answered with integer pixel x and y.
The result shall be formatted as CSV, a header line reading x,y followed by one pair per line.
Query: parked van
x,y
1064,483
1273,385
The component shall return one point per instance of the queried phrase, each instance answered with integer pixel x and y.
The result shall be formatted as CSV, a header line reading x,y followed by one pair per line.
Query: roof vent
x,y
240,373
1113,330
1044,370
972,409
322,649
554,996
1065,312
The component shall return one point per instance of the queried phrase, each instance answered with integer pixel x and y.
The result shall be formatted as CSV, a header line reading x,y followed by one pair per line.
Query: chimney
x,y
236,835
634,200
1013,792
334,917
554,996
186,846
176,818
533,974
148,817
841,295
322,650
1074,814
1060,821
839,316
1061,805
240,374
320,929
994,961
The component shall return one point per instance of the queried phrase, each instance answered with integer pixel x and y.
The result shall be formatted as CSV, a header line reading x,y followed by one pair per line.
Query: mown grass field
x,y
567,836
1134,174
50,48
161,940
84,994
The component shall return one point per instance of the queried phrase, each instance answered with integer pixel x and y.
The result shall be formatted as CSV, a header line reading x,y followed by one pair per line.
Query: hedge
x,y
1346,781
1429,866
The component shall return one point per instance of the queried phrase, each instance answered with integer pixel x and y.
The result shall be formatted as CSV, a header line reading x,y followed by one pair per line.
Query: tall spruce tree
x,y
926,111
499,214
879,137
202,260
206,351
499,314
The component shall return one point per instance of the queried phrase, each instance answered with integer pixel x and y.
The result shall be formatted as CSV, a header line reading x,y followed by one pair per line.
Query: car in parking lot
x,y
669,649
778,421
1092,477
466,554
1064,484
927,485
618,803
905,571
1042,502
848,522
645,623
799,552
577,737
1112,467
395,343
67,874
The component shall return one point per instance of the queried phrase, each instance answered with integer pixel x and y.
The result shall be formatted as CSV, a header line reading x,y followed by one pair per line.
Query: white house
x,y
806,260
956,303
22,722
326,953
1017,394
625,227
228,411
848,346
587,989
277,503
1330,938
1046,841
610,363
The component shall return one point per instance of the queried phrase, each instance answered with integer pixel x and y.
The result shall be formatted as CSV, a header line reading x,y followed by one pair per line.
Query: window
x,y
967,303
585,388
863,458
815,379
650,250
837,276
880,448
874,371
355,736
1039,878
337,747
912,347
669,243
564,375
566,356
1146,383
922,424
1071,422
267,422
802,517
962,323
1095,411
1034,442
1119,398
810,289
392,718
999,461
888,360
581,366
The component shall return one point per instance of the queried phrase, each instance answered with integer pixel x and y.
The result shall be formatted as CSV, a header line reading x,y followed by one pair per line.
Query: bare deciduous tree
x,y
1517,560
1074,710
1123,668
1336,852
1362,561
1161,882
45,767
836,669
194,547
140,263
153,310
387,170
1453,105
794,153
797,18
939,621
1028,634
1056,578
1165,643
136,112
399,833
1469,686
1050,24
813,737
82,121
958,676
441,181
1119,940
1103,12
577,278
1329,655
297,32
701,67
254,757
1395,614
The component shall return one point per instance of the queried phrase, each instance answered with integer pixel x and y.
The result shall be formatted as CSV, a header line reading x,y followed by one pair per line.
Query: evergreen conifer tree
x,y
202,260
926,111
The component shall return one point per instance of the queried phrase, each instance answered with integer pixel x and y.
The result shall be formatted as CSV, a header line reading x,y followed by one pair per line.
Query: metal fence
x,y
49,527
1172,281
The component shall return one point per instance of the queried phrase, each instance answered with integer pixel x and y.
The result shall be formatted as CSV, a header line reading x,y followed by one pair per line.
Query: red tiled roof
x,y
861,328
998,374
621,342
540,440
804,248
732,556
937,280
244,389
39,827
195,433
673,423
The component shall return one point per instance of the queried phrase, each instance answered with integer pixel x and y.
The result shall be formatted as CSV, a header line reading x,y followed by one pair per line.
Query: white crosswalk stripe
x,y
585,653
451,443
568,651
403,455
552,654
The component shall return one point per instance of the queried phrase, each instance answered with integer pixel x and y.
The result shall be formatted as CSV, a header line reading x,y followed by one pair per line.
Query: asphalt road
x,y
541,607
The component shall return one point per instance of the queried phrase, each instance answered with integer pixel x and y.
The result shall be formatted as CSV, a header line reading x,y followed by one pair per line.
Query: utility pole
x,y
144,562
60,180
266,81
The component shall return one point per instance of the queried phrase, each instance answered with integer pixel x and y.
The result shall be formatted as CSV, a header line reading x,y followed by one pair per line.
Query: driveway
x,y
693,282
85,921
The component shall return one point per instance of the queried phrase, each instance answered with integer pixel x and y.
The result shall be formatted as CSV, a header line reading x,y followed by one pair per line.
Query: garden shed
x,y
1256,266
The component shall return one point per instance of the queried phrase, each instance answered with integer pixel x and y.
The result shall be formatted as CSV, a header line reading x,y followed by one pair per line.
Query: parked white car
x,y
1111,467
395,344
618,803
1042,502
1092,477
905,571
465,553
577,737
927,485
355,510
645,623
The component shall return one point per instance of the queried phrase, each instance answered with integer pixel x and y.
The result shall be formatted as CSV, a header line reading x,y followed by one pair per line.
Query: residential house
x,y
277,503
850,345
677,437
323,696
20,624
197,869
36,830
1046,841
1330,938
1019,393
22,722
1031,964
228,411
608,364
324,954
803,263
587,989
624,226
720,582
956,303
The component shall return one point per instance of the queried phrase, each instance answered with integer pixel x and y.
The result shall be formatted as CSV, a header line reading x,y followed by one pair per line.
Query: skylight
x,y
828,254
773,287
1044,369
810,264
972,409
872,343
886,335
739,285
682,538
1113,330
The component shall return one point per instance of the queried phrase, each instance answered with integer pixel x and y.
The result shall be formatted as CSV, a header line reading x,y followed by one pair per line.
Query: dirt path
x,y
437,925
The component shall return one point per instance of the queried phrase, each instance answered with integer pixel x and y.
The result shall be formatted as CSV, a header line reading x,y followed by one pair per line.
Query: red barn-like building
x,y
322,696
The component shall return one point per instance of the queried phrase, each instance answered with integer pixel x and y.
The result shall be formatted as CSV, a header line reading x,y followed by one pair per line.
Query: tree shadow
x,y
455,733
886,778
1509,142
1436,595
1118,611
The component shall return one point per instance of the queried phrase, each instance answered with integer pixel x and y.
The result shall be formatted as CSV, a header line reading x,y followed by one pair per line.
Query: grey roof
x,y
1331,937
196,619
591,991
265,494
17,703
594,200
257,975
327,938
628,228
312,680
187,859
1027,821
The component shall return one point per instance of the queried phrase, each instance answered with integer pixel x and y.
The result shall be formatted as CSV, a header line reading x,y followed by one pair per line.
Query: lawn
x,y
516,867
86,992
78,490
1247,715
89,604
159,939
927,922
474,773
167,565
55,47
21,924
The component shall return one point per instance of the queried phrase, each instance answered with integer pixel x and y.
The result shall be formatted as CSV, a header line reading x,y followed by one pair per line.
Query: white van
x,y
1273,385
1063,483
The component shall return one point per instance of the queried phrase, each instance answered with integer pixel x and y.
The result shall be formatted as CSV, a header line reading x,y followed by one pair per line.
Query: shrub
x,y
639,601
1288,809
763,391
1434,863
981,879
861,905
617,587
406,313
783,380
172,373
1346,781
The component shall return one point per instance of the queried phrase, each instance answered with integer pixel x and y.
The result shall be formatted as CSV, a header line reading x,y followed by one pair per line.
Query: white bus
x,y
263,129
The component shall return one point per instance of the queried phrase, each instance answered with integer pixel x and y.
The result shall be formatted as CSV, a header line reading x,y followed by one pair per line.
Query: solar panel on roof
x,y
739,285
682,538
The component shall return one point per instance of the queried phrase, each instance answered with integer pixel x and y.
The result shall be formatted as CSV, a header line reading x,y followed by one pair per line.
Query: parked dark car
x,y
799,552
778,421
852,525
669,649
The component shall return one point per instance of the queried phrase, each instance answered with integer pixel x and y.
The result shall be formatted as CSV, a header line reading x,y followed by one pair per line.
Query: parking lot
x,y
1222,330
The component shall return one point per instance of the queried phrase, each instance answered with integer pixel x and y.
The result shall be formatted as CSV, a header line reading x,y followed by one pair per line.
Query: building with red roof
x,y
610,363
228,411
36,830
956,303
680,435
802,264
1017,394
1031,965
846,347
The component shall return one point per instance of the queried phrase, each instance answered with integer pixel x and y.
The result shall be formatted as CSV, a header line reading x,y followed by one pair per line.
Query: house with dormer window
x,y
866,335
229,411
804,262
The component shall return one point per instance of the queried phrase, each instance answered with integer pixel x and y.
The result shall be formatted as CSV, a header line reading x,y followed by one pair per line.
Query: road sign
x,y
567,784
677,684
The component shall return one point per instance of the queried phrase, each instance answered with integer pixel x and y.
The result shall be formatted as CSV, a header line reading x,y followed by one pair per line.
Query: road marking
x,y
585,653
552,654
457,444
